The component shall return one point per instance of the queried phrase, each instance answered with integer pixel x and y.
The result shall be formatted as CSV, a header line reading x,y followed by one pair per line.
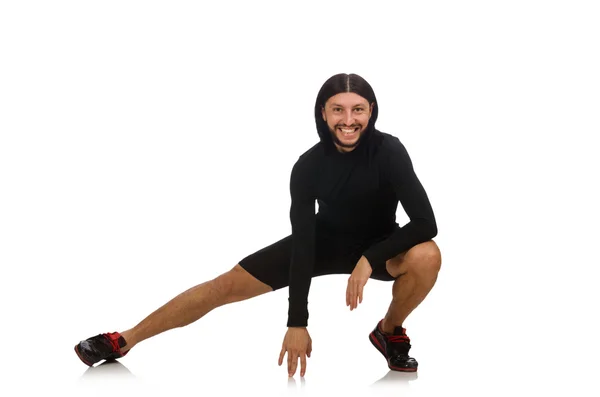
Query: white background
x,y
146,147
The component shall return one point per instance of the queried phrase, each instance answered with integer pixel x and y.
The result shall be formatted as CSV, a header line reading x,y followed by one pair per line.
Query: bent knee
x,y
425,258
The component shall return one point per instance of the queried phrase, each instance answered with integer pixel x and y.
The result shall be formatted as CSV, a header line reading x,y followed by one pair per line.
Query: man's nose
x,y
348,118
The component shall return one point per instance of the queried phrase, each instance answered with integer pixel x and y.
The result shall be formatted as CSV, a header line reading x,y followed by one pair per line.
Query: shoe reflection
x,y
108,369
396,378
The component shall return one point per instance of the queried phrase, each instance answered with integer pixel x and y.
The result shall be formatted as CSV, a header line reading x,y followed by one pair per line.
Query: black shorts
x,y
334,255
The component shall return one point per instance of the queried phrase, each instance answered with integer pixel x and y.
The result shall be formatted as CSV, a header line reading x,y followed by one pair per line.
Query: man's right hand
x,y
297,344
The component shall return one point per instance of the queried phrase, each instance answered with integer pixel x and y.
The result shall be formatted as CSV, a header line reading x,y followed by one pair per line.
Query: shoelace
x,y
397,349
398,338
114,342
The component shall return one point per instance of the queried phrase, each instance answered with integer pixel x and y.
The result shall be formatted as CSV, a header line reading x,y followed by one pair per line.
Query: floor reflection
x,y
109,369
396,378
293,383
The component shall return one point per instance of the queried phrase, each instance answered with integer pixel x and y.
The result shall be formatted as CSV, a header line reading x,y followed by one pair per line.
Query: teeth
x,y
347,132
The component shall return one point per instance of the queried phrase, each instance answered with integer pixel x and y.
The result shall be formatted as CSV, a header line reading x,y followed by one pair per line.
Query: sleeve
x,y
302,217
408,189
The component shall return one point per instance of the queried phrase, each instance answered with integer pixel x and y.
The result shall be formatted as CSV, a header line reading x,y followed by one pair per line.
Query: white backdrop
x,y
146,147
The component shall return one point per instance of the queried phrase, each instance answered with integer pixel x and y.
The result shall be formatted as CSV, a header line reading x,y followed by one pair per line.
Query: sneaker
x,y
100,347
394,348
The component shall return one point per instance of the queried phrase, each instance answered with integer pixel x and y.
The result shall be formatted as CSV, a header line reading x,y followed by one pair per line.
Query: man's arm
x,y
302,217
411,194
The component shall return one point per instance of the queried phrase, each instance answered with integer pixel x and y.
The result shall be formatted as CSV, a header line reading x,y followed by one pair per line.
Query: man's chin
x,y
347,145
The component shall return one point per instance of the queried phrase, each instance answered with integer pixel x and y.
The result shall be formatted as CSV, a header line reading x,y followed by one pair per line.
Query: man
x,y
358,175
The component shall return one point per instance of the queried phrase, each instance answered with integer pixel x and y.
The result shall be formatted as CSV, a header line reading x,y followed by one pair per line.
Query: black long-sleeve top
x,y
358,194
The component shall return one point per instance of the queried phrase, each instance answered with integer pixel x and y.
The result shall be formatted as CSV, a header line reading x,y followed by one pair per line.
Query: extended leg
x,y
189,306
418,270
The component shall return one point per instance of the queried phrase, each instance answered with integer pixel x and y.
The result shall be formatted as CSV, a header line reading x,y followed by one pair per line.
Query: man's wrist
x,y
297,328
365,260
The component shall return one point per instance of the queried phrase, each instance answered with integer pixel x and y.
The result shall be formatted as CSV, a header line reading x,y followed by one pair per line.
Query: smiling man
x,y
358,175
349,114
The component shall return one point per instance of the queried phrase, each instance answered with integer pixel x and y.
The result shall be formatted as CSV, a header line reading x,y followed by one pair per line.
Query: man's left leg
x,y
416,271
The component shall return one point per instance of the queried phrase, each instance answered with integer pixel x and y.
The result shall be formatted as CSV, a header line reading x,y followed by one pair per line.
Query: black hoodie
x,y
358,193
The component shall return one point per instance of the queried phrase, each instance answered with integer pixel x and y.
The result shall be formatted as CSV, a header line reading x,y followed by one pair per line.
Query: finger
x,y
360,294
353,300
281,356
348,292
347,295
309,349
292,363
302,365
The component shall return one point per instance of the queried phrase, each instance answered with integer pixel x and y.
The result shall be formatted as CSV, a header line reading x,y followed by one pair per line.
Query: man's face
x,y
347,114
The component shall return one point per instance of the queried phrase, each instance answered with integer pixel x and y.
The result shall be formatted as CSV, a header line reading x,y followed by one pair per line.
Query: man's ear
x,y
323,113
371,112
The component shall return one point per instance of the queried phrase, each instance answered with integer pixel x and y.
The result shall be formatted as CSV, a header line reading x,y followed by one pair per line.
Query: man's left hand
x,y
359,277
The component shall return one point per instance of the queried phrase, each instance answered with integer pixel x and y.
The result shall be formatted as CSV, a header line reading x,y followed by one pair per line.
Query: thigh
x,y
339,255
271,264
379,269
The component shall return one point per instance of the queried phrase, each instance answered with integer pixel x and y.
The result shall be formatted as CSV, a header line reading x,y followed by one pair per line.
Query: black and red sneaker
x,y
395,348
101,347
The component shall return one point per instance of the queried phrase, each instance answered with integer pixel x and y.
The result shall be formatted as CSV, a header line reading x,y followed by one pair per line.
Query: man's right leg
x,y
189,306
233,286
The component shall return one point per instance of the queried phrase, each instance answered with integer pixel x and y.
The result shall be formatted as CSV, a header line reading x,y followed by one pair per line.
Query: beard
x,y
346,145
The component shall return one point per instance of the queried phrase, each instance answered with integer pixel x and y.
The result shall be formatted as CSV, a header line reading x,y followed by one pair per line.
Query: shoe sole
x,y
81,358
377,345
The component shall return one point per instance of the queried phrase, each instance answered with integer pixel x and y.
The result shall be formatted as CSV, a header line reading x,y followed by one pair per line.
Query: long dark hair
x,y
344,83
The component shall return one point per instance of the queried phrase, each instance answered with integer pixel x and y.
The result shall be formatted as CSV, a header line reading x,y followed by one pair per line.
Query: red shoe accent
x,y
398,338
378,345
391,339
399,369
113,338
